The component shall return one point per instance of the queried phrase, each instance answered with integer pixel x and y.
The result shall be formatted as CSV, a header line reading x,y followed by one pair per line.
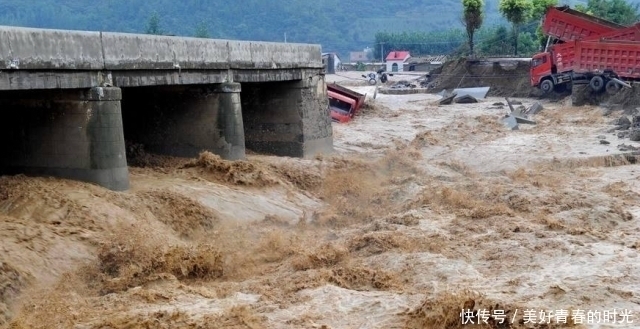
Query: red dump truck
x,y
344,103
566,24
588,50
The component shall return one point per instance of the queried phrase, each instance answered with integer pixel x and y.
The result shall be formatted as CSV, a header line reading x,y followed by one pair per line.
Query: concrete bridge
x,y
70,99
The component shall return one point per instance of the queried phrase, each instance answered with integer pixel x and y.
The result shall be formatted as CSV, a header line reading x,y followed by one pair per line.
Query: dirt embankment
x,y
507,78
510,78
625,99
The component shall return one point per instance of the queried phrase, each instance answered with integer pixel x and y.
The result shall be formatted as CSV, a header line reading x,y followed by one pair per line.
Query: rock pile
x,y
627,128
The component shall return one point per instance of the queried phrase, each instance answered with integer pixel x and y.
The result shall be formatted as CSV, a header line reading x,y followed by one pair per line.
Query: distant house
x,y
331,62
396,60
358,56
425,62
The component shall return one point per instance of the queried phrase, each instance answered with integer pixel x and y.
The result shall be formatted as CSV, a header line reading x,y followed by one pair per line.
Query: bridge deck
x,y
32,58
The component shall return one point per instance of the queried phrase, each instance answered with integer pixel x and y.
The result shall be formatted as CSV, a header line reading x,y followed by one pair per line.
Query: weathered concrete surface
x,y
535,108
287,118
126,78
43,49
478,92
184,121
54,59
74,134
28,80
38,49
230,122
511,122
123,51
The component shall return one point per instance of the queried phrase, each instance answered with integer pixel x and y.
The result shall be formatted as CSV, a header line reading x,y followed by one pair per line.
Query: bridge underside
x,y
77,79
79,131
74,133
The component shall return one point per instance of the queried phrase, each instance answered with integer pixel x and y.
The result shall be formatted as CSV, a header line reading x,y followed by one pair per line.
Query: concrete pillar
x,y
230,121
75,134
186,120
288,118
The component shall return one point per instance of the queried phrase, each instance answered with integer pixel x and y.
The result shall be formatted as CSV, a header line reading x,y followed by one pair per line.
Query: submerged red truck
x,y
344,103
587,50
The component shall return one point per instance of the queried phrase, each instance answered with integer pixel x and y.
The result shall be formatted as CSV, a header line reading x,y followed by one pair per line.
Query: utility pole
x,y
285,37
382,52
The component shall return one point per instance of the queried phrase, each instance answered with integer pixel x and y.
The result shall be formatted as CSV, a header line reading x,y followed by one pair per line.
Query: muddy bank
x,y
506,78
625,99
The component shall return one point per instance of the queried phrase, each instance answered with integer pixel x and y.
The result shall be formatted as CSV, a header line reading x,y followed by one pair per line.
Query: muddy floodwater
x,y
422,211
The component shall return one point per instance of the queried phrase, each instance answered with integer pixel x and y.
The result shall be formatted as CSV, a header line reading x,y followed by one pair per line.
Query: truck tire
x,y
596,83
383,78
612,87
546,86
372,81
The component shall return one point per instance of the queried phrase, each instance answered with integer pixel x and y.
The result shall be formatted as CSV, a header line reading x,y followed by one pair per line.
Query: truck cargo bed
x,y
622,57
566,24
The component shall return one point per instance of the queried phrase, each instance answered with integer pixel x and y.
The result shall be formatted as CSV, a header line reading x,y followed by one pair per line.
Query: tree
x,y
496,44
516,12
539,7
202,31
618,11
153,25
472,19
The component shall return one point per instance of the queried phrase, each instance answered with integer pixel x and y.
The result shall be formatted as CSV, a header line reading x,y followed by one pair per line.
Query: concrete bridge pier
x,y
186,120
289,118
73,133
230,122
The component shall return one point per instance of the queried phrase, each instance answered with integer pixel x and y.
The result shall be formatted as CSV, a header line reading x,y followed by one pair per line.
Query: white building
x,y
396,60
331,58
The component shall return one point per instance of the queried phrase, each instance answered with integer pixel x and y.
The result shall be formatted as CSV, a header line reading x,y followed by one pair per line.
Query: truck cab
x,y
541,67
342,107
343,103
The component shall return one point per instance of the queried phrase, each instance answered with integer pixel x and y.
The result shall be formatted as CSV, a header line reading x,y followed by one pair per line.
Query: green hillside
x,y
340,26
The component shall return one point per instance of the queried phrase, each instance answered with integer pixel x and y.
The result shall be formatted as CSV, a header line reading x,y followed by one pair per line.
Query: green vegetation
x,y
340,26
618,11
201,30
539,7
472,19
516,12
426,26
524,16
153,26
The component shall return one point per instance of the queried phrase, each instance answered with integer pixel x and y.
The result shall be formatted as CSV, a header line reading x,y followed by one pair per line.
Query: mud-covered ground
x,y
422,210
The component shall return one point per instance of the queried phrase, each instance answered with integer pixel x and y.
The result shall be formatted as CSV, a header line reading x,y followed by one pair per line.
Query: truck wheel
x,y
546,86
596,83
372,81
383,78
612,87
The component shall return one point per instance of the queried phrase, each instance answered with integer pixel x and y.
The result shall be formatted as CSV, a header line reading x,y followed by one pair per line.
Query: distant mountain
x,y
340,26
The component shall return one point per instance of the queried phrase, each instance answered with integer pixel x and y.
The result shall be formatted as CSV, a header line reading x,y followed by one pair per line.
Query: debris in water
x,y
465,99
